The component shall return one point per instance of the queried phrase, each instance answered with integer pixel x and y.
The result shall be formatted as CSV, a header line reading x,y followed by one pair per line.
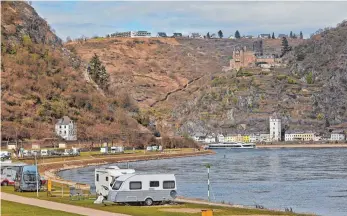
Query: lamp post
x,y
208,166
37,181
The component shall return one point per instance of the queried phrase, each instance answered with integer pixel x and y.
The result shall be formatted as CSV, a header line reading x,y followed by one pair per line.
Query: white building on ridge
x,y
337,135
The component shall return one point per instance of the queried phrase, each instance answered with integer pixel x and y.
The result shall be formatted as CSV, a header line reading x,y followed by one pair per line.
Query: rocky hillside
x,y
323,59
165,76
41,81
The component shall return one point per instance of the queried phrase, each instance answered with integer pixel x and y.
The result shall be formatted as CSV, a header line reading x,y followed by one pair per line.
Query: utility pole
x,y
208,166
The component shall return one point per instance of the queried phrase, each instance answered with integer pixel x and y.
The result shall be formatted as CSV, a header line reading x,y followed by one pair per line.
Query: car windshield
x,y
117,185
29,177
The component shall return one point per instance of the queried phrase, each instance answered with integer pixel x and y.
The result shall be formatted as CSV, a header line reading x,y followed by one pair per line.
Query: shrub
x,y
281,77
290,80
309,78
320,116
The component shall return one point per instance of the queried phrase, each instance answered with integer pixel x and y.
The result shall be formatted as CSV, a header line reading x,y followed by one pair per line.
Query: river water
x,y
307,180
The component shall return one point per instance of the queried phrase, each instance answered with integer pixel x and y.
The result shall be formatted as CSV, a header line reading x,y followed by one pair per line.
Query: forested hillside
x,y
41,81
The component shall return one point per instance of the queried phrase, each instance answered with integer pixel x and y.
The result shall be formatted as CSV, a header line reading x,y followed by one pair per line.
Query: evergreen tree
x,y
294,36
301,35
98,73
208,35
220,34
237,34
291,34
285,46
273,35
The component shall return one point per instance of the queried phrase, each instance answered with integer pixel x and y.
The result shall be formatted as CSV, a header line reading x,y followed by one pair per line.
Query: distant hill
x,y
41,81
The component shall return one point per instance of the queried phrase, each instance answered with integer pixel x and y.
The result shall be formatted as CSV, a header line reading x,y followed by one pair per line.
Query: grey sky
x,y
100,18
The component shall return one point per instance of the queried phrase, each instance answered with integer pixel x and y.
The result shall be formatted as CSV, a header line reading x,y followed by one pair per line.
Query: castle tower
x,y
275,128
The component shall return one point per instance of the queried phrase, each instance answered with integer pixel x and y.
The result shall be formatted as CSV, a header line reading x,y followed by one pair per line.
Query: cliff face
x,y
18,19
41,81
324,56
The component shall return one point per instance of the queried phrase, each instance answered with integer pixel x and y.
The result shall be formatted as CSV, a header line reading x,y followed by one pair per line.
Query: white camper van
x,y
143,188
105,176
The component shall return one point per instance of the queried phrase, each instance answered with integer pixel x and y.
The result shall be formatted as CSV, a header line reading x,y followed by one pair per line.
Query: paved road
x,y
57,206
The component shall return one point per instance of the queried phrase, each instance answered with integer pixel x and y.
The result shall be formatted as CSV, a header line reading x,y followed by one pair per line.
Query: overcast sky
x,y
78,18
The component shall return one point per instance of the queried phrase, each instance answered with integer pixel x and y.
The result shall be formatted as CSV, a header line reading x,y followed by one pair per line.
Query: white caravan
x,y
105,176
143,188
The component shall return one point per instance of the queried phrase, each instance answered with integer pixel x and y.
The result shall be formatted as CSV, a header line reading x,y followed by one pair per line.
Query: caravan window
x,y
117,185
97,177
135,185
169,184
154,184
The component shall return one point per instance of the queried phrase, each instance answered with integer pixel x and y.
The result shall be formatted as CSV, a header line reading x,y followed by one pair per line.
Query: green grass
x,y
143,210
17,209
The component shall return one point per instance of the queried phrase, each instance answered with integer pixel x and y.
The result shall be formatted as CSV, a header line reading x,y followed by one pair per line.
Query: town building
x,y
66,128
132,34
230,138
275,128
264,137
264,36
161,34
220,138
337,135
199,137
245,138
299,136
254,138
210,139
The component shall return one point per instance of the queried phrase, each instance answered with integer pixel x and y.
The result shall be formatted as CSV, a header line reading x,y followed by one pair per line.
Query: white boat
x,y
232,145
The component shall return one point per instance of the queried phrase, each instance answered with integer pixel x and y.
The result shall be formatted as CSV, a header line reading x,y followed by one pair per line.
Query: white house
x,y
66,128
199,137
264,137
275,128
210,139
221,138
196,35
337,135
254,138
299,136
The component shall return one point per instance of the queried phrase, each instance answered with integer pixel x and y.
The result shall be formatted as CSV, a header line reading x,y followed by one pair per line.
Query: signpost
x,y
208,166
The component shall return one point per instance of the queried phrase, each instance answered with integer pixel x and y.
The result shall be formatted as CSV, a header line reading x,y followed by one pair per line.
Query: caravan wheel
x,y
149,202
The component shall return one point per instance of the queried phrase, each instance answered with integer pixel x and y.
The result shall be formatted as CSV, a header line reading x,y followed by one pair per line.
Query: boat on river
x,y
232,146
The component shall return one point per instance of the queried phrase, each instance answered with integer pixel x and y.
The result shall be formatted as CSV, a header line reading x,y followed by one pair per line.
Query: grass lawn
x,y
17,209
167,210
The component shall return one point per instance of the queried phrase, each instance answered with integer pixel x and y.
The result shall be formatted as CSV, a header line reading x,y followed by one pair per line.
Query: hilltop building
x,y
241,57
177,35
161,34
275,128
264,36
132,34
66,128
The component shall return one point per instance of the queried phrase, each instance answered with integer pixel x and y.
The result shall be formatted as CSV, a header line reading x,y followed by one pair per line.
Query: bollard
x,y
206,212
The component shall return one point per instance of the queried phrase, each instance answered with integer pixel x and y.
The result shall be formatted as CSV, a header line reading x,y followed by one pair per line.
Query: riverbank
x,y
50,169
327,145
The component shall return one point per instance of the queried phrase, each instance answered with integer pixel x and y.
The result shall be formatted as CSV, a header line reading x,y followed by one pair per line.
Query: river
x,y
307,180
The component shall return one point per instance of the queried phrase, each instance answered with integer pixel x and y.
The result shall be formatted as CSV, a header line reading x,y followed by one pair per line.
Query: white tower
x,y
275,128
